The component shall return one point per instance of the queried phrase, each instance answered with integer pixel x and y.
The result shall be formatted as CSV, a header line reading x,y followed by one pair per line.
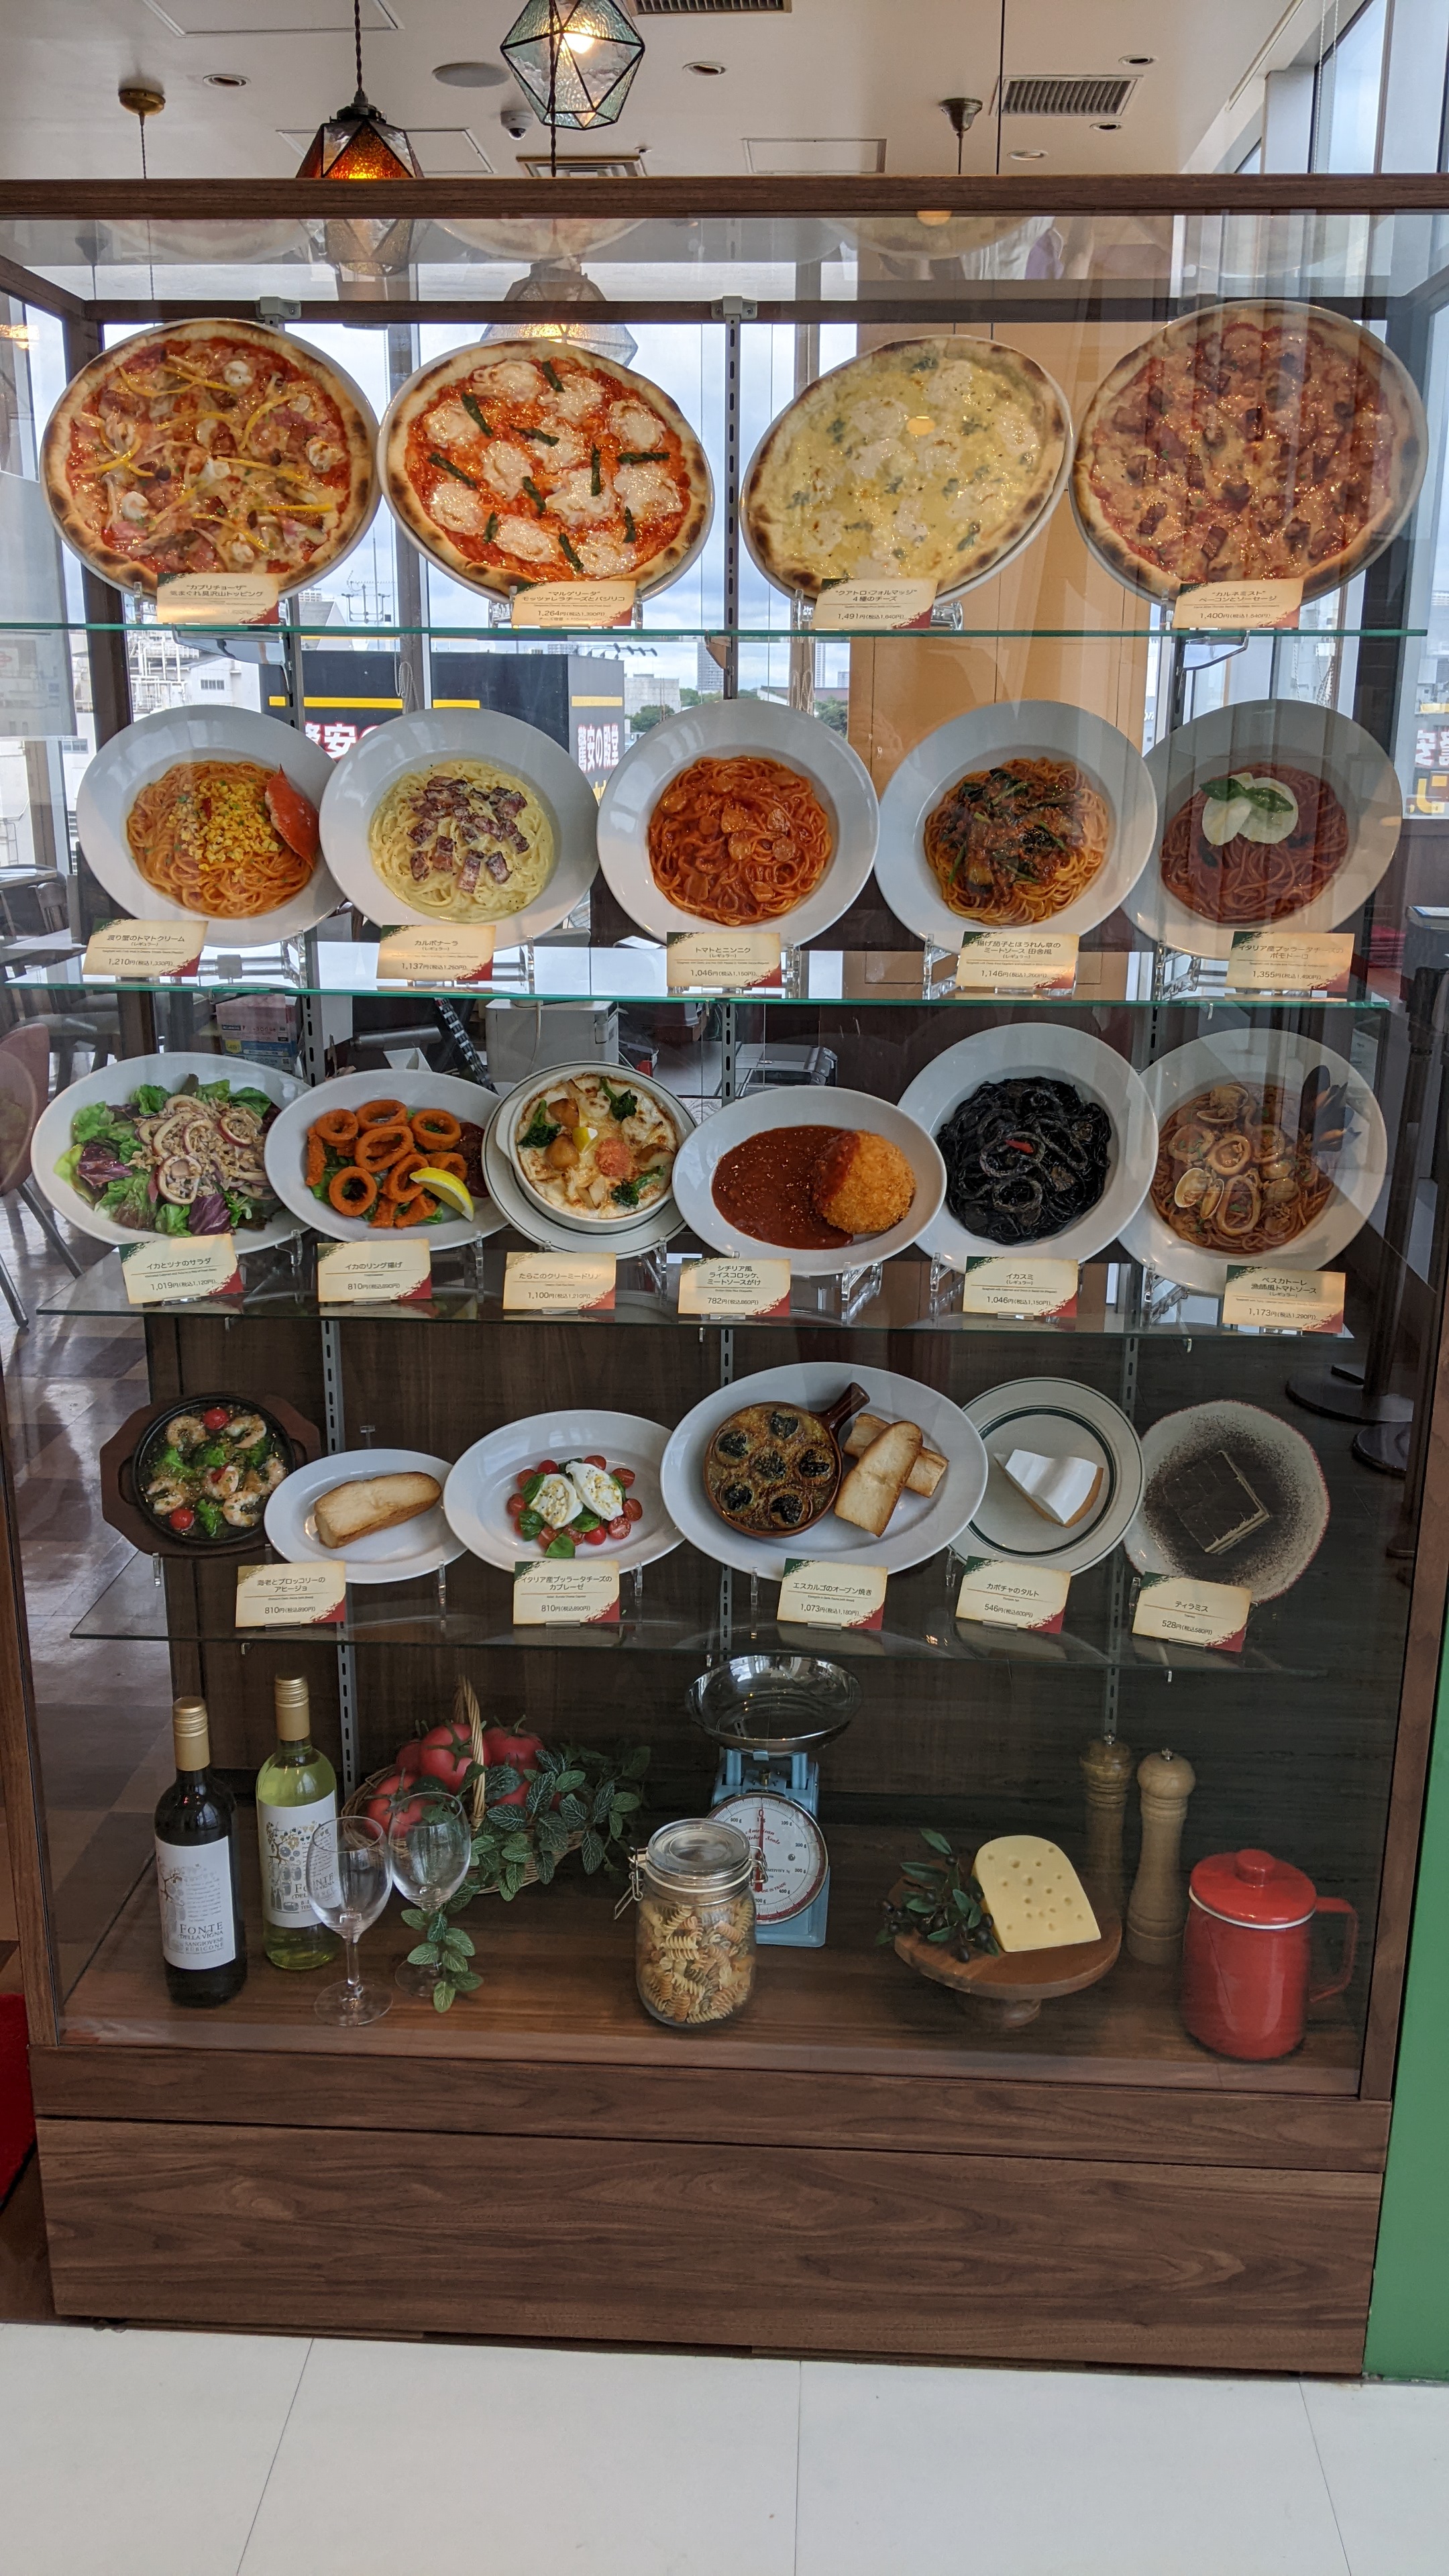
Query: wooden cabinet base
x,y
783,2249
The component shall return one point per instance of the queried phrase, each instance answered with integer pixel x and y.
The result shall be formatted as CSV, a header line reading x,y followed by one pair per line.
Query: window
x,y
1347,93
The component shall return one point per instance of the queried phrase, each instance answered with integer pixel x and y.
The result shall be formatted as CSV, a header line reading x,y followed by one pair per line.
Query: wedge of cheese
x,y
1033,1895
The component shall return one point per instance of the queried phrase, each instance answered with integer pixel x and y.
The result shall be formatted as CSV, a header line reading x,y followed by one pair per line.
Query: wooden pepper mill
x,y
1158,1907
1106,1768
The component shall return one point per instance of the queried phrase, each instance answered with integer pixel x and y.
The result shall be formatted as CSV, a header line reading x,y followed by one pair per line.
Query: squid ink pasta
x,y
1024,1158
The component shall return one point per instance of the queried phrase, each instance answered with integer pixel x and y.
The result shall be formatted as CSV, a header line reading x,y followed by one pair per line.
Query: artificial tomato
x,y
519,1750
445,1753
183,1518
390,1804
216,1417
410,1758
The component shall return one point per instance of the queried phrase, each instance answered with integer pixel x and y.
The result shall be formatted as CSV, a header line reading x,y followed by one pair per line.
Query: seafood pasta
x,y
1243,1168
1256,845
462,840
739,840
226,838
1017,842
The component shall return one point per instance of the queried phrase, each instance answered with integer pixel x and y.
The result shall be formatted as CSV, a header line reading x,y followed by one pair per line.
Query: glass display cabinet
x,y
1044,725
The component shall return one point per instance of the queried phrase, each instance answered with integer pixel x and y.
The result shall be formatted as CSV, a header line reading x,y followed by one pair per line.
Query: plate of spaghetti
x,y
1015,817
1275,813
210,812
741,813
1271,1149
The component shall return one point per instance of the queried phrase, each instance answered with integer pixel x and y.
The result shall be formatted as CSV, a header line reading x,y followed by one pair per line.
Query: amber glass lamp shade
x,y
357,143
574,60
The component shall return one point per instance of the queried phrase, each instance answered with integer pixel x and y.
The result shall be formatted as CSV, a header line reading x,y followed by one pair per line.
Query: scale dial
x,y
791,1861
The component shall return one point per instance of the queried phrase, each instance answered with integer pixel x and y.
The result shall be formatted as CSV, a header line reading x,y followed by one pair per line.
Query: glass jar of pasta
x,y
694,1954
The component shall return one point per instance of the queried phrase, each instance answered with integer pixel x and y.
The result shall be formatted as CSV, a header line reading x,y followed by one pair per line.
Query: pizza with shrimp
x,y
522,462
210,446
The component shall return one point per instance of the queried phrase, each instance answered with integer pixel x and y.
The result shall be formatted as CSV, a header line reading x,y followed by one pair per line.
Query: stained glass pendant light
x,y
574,61
358,142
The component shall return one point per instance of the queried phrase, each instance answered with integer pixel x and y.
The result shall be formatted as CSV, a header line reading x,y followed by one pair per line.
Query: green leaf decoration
x,y
457,1939
945,1934
572,1813
413,1916
442,1996
936,1842
426,1955
592,1852
566,1780
518,1848
545,1865
510,1882
466,1981
603,1801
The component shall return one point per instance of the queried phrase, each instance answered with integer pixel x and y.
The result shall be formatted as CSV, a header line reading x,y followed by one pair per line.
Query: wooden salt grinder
x,y
1158,1906
1106,1768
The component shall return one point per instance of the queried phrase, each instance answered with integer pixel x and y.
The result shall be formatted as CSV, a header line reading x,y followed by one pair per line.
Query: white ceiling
x,y
829,70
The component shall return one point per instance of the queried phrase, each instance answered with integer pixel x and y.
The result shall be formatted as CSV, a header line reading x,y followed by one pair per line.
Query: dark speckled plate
x,y
1277,1463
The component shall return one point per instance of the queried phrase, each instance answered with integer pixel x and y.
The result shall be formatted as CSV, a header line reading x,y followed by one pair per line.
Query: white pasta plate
x,y
114,1084
1284,1480
412,1547
287,1150
1054,1418
362,778
476,1495
1277,1058
807,1106
141,754
1062,1054
918,1527
1034,729
724,729
551,1233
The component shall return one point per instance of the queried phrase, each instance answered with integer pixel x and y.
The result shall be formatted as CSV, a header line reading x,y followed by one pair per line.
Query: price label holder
x,y
217,599
853,607
445,955
998,1594
1290,961
723,961
170,1269
1021,1291
1041,962
138,951
1184,1613
566,1592
1216,605
291,1596
823,1593
558,1283
735,1291
383,1270
1284,1301
574,603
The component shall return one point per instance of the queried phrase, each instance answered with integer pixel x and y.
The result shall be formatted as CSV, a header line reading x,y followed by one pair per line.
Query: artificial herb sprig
x,y
945,1904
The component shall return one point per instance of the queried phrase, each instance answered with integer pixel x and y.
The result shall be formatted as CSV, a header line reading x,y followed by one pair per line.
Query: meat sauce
x,y
766,1187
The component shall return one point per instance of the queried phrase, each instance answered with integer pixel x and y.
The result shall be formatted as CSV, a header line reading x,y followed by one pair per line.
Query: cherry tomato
x,y
633,1511
624,1476
546,1536
619,1528
445,1753
546,1467
183,1518
596,1462
514,1506
216,1417
596,1537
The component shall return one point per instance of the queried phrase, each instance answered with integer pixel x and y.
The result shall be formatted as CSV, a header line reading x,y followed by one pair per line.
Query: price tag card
x,y
824,1593
216,598
849,606
566,1592
998,1285
574,603
740,1290
127,951
385,1269
999,1595
1284,1301
167,1268
1017,961
1290,961
1185,1613
558,1283
291,1596
712,961
447,955
1238,604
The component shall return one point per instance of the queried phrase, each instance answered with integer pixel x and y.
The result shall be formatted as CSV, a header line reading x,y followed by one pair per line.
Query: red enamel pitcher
x,y
1245,1953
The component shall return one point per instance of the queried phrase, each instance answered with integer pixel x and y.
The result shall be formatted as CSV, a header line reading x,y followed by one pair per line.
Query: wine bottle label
x,y
198,1917
285,1835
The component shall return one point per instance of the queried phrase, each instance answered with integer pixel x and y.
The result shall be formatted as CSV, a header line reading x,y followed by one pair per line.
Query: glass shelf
x,y
1133,629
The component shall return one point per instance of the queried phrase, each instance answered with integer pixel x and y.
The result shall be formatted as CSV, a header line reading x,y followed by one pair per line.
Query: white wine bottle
x,y
202,1941
296,1792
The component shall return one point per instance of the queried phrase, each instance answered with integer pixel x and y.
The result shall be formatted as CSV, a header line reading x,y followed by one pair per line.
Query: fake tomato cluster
x,y
443,1759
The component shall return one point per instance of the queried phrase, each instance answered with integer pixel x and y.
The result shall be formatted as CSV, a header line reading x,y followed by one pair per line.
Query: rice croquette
x,y
863,1183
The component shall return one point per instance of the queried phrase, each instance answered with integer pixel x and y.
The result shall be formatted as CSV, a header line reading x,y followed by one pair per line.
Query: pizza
x,y
210,446
929,459
1251,442
517,463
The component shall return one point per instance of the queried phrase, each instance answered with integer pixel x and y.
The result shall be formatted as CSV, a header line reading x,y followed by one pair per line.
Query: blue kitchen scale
x,y
768,1713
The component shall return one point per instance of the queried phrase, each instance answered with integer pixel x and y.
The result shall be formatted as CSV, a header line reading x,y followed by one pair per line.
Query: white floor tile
x,y
136,2454
616,2464
1037,2473
1385,2455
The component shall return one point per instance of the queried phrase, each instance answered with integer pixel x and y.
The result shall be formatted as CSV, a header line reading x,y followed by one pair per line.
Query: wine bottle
x,y
202,1940
296,1792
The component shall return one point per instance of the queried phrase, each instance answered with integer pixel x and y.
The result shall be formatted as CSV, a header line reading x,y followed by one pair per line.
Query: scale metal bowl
x,y
774,1703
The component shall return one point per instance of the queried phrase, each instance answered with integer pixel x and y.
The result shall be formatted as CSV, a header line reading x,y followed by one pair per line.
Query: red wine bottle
x,y
202,1940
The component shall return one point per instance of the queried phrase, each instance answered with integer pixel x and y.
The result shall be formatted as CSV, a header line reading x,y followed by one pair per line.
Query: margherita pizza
x,y
210,446
928,459
1252,442
514,463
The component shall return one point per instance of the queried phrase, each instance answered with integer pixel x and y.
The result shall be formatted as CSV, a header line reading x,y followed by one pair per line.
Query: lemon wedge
x,y
584,1137
445,1186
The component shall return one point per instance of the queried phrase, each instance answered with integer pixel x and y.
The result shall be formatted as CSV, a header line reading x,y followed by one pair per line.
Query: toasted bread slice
x,y
875,1484
370,1503
928,1470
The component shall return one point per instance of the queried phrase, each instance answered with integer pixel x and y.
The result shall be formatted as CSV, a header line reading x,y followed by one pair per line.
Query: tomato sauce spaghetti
x,y
208,834
740,840
1245,881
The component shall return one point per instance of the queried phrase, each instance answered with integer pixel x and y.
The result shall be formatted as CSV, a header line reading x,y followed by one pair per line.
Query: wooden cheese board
x,y
1009,1990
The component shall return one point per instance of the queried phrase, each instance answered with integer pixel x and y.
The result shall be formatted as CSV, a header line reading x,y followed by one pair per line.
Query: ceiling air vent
x,y
709,8
581,165
1067,94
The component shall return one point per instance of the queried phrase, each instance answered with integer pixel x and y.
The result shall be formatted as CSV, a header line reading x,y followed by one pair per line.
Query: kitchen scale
x,y
768,1714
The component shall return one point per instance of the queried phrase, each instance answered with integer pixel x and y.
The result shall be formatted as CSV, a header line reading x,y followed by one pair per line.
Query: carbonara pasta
x,y
462,840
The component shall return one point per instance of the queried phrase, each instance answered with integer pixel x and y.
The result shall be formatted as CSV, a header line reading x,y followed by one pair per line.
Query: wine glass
x,y
349,1879
430,1842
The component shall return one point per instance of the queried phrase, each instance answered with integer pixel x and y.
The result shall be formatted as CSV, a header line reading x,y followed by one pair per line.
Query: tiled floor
x,y
251,2455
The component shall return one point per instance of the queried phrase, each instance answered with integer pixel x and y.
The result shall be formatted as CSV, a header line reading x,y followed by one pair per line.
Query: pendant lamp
x,y
359,144
574,61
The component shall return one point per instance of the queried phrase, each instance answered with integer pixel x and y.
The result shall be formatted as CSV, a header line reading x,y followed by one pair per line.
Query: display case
x,y
1089,1131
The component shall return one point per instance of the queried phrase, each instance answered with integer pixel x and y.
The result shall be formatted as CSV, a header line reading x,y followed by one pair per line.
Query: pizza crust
x,y
358,425
423,390
1397,488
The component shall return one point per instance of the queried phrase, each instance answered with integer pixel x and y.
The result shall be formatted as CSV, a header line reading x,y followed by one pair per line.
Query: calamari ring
x,y
454,1163
399,1184
435,1126
385,1213
352,1191
378,1148
316,1158
416,1210
380,1113
335,1127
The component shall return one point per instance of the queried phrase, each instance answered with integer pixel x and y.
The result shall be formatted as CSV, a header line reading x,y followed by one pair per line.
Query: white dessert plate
x,y
476,1494
114,1084
806,1106
1057,1419
287,1149
1279,1465
389,1556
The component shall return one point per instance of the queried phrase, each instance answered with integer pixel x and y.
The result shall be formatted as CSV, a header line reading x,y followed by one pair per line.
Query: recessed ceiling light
x,y
1028,156
1106,125
706,71
470,75
225,80
1137,62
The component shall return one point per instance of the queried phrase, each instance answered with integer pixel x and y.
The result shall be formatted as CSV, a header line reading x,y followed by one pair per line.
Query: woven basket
x,y
466,1713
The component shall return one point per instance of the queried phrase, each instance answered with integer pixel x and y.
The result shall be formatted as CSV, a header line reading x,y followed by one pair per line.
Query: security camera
x,y
515,118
